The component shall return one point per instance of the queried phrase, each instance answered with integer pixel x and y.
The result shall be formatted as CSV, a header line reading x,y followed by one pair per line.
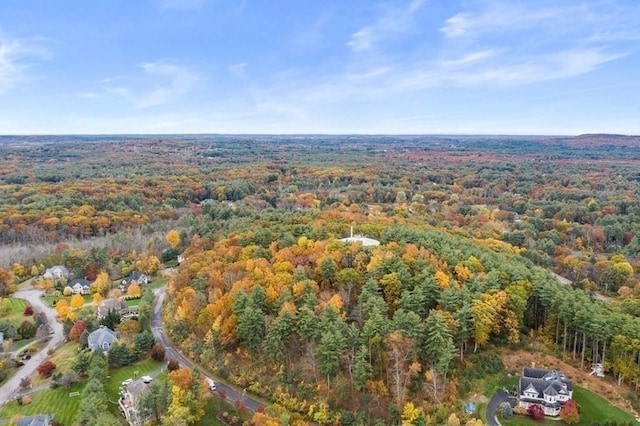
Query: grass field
x,y
212,407
157,282
56,401
16,316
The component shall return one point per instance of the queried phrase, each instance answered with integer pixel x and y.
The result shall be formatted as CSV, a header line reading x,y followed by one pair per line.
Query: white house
x,y
56,272
549,389
80,286
134,277
102,339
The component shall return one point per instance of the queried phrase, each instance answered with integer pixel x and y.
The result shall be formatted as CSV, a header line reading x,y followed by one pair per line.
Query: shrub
x,y
25,383
506,411
173,364
535,412
28,310
569,412
157,352
46,369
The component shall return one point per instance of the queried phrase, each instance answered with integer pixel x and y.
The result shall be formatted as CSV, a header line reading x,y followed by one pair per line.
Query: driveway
x,y
171,351
497,399
33,297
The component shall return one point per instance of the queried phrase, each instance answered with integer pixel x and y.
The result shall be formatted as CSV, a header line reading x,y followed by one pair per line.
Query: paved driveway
x,y
33,297
497,399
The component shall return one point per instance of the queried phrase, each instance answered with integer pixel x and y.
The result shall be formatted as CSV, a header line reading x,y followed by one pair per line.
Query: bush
x,y
28,310
535,412
157,352
25,383
46,369
506,412
173,364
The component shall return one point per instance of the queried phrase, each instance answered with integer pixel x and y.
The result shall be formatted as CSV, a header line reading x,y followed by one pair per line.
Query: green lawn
x,y
48,300
213,406
157,282
56,401
133,302
16,316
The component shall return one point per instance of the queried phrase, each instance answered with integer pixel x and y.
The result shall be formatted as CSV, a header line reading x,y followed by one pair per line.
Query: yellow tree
x,y
101,284
97,298
133,290
77,301
173,238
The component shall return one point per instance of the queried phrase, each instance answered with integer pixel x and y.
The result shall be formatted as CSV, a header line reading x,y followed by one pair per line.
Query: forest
x,y
471,231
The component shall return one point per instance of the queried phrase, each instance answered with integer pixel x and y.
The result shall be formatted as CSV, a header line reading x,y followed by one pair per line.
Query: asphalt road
x,y
9,389
232,394
497,399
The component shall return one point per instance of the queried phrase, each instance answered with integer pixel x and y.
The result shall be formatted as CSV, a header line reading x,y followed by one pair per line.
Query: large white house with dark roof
x,y
549,389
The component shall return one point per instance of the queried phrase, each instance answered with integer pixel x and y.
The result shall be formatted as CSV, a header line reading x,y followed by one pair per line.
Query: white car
x,y
127,382
146,379
212,385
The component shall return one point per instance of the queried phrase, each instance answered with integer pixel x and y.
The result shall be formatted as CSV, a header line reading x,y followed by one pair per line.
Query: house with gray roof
x,y
549,389
56,272
118,305
80,286
39,420
130,395
139,278
101,339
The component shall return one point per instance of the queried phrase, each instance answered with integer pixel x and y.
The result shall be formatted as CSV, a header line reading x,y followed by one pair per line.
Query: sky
x,y
320,66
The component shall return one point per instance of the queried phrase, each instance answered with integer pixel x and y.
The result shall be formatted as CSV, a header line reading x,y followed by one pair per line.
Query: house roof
x,y
135,389
134,276
39,420
80,281
102,335
367,242
109,304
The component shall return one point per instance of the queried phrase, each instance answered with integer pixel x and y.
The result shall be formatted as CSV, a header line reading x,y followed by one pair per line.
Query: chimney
x,y
533,364
351,231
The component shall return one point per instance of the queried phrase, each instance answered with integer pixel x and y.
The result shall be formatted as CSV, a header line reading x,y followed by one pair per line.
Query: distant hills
x,y
596,139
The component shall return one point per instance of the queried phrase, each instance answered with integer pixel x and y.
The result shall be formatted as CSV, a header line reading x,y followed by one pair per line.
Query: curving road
x,y
8,390
171,351
497,399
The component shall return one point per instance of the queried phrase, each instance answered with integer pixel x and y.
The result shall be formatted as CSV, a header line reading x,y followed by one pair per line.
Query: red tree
x,y
76,331
535,412
569,412
28,310
46,368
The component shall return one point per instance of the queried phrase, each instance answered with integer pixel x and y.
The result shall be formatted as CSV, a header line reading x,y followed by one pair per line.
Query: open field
x,y
16,316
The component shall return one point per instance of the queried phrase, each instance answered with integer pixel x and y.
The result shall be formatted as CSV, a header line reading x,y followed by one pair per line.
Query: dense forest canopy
x,y
268,296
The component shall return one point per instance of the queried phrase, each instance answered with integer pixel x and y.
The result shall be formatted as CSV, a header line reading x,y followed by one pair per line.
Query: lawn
x,y
133,302
213,406
156,282
48,300
16,316
56,401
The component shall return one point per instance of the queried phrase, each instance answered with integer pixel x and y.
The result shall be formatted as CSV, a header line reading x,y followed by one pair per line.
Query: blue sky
x,y
320,66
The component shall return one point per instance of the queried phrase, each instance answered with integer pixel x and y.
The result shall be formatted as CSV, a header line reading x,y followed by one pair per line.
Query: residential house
x,y
56,272
39,420
128,401
80,286
134,277
118,305
102,339
549,389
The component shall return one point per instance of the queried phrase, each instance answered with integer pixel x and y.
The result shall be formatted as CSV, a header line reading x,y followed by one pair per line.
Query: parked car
x,y
212,385
146,379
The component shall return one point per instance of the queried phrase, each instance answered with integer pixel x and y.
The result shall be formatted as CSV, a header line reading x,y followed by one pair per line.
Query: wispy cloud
x,y
238,70
16,57
394,19
169,82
